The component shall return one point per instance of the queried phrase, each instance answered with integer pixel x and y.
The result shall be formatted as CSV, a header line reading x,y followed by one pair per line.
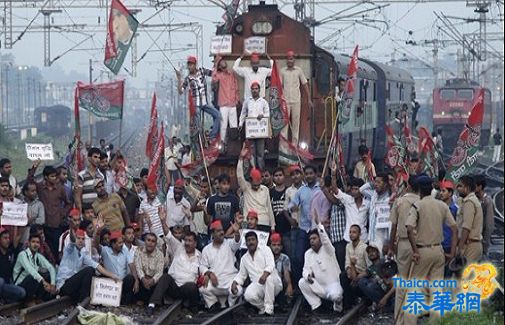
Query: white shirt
x,y
249,76
184,268
354,215
220,260
253,108
175,211
170,157
290,194
173,244
322,264
254,266
151,210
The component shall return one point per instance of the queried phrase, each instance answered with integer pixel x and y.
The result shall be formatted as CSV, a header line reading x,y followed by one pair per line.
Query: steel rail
x,y
48,309
167,317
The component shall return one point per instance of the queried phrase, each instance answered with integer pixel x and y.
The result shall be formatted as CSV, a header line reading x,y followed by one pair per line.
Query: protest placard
x,y
221,44
14,214
255,44
36,151
382,212
257,129
106,292
262,237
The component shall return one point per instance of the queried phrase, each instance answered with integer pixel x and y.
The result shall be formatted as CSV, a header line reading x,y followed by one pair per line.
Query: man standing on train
x,y
292,78
253,73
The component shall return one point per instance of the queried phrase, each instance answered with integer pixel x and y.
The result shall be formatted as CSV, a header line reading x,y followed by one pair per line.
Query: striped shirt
x,y
337,222
87,182
150,209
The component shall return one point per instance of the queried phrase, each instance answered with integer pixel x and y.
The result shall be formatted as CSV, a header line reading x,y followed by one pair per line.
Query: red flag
x,y
279,116
352,71
152,132
78,163
154,166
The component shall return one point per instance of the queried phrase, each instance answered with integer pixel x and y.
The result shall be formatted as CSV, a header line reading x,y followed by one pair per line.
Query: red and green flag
x,y
152,133
428,156
352,75
465,154
103,100
120,33
279,116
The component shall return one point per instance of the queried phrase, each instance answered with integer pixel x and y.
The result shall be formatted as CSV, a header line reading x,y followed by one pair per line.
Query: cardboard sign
x,y
255,44
221,44
36,151
382,211
106,292
257,129
14,214
262,238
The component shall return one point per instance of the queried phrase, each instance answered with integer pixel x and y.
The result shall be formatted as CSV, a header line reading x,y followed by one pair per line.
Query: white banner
x,y
36,151
106,292
255,44
14,214
257,129
221,44
262,237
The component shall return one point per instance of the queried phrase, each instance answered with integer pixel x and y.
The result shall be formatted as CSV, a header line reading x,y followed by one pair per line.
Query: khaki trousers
x,y
294,116
472,252
403,261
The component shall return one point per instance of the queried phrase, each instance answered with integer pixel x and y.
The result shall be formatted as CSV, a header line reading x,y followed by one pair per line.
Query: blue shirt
x,y
116,263
303,199
71,263
446,244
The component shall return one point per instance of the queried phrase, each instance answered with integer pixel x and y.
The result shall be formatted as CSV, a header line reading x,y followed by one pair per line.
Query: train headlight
x,y
262,28
303,146
443,113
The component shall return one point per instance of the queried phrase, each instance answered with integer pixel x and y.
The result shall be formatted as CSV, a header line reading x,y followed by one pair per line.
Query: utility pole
x,y
89,113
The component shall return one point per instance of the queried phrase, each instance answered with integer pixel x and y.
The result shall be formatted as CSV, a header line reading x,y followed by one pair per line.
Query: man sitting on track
x,y
259,265
218,266
321,272
77,269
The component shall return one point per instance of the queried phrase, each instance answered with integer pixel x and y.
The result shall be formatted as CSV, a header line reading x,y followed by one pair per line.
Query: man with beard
x,y
258,265
56,204
470,221
253,73
180,282
110,207
84,192
149,266
218,266
178,207
76,269
321,272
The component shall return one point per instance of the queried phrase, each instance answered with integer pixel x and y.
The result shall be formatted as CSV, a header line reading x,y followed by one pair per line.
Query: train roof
x,y
365,70
390,72
460,82
53,108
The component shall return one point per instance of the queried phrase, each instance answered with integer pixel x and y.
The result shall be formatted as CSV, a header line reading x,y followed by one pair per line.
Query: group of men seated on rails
x,y
329,242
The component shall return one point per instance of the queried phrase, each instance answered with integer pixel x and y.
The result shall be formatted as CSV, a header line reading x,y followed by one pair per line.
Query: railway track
x,y
242,314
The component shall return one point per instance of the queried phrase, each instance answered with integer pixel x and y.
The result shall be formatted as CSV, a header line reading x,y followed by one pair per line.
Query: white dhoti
x,y
221,294
315,292
261,296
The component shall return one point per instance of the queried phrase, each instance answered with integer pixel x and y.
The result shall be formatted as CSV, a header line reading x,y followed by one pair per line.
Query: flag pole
x,y
120,131
205,162
89,112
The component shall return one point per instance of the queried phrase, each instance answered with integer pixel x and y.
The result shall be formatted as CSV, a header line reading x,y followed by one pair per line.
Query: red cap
x,y
180,182
216,224
255,83
447,184
74,212
80,232
255,57
255,175
275,238
191,59
115,235
290,53
2,230
134,225
294,168
252,214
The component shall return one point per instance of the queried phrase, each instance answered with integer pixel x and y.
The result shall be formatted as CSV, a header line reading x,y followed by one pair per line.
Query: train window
x,y
43,117
447,94
374,91
323,76
388,91
465,94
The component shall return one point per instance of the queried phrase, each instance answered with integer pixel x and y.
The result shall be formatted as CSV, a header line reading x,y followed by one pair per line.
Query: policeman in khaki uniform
x,y
427,217
400,245
470,221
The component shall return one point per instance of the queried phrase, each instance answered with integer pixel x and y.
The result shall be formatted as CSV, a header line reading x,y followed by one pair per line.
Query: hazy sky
x,y
382,37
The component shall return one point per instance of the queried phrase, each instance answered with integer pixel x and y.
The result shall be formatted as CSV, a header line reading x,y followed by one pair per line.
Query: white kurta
x,y
184,268
323,266
354,215
258,295
219,260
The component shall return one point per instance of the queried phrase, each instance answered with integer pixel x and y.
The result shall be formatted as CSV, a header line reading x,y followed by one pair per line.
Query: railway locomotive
x,y
380,90
452,105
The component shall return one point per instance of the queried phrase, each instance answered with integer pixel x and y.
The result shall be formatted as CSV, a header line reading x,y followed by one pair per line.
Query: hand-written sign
x,y
257,129
105,292
36,151
262,237
221,44
14,214
382,215
255,44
